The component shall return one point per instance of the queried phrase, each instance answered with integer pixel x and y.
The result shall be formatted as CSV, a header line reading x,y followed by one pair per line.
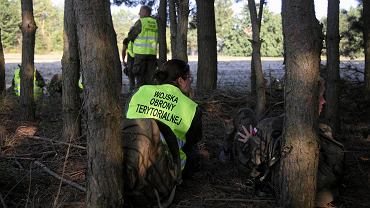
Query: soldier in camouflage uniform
x,y
257,152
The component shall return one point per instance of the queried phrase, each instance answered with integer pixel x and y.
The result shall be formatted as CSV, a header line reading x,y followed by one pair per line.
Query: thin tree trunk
x,y
207,46
162,23
332,89
173,27
182,30
28,28
256,59
253,71
71,73
99,64
303,43
2,69
366,13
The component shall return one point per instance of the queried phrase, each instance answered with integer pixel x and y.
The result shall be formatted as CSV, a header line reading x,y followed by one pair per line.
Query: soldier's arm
x,y
194,133
124,48
134,32
39,79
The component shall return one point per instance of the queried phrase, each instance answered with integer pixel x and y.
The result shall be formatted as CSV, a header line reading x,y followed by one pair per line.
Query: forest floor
x,y
25,146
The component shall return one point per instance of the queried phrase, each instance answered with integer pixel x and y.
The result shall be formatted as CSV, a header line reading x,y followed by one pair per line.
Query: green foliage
x,y
49,20
123,20
10,18
234,32
350,31
271,34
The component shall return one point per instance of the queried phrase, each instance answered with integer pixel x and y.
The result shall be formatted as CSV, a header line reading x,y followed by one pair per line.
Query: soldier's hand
x,y
246,135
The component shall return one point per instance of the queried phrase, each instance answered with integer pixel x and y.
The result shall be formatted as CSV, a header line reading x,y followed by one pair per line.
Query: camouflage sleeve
x,y
194,133
134,32
39,79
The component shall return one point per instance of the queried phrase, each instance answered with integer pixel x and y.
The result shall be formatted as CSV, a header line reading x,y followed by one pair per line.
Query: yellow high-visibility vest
x,y
146,42
167,104
37,91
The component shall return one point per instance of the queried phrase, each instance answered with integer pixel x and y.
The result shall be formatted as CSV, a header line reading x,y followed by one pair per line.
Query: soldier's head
x,y
322,100
145,11
175,72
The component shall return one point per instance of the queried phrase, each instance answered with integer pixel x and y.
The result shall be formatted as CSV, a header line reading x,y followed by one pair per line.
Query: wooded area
x,y
74,129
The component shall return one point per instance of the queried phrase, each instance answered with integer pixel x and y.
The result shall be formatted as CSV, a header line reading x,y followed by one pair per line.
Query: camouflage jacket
x,y
256,157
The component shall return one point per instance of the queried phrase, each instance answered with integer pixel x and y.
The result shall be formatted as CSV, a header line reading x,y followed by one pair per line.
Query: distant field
x,y
232,71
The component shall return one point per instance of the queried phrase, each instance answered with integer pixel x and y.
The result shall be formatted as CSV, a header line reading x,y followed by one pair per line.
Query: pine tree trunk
x,y
182,30
162,23
256,58
303,43
333,78
28,28
71,73
173,27
207,46
366,13
2,69
99,64
253,70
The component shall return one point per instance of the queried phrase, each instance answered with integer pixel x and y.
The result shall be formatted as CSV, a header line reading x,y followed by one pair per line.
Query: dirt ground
x,y
26,146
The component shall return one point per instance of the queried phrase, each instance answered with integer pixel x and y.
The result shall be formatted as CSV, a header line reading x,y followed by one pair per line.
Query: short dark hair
x,y
147,8
171,70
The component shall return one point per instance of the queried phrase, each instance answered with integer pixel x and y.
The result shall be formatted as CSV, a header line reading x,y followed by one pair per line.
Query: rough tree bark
x,y
99,64
28,28
182,30
207,46
256,58
332,76
173,26
303,43
2,69
71,73
162,23
366,13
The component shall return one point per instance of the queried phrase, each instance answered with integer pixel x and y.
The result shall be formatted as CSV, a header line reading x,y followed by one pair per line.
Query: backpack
x,y
151,166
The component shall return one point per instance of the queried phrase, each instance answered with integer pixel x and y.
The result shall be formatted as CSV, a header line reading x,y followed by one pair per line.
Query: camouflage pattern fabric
x,y
258,157
150,172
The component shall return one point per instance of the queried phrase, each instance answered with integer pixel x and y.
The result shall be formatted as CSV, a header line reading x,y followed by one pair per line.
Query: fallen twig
x,y
56,142
241,200
2,201
52,173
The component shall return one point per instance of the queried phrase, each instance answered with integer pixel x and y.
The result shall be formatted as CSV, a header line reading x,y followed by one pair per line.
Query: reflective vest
x,y
167,104
37,91
130,49
80,85
146,42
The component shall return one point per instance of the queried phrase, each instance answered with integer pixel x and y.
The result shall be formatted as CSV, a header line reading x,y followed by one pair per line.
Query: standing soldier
x,y
144,35
128,66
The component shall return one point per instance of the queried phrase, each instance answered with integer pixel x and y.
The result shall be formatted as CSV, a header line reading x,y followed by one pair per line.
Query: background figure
x,y
128,66
144,35
38,83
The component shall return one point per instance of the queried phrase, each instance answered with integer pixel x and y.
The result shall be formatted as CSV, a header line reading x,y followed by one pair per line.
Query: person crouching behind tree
x,y
38,83
257,153
160,132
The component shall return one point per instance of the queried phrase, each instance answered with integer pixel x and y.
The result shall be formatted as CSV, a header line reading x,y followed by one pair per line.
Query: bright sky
x,y
274,5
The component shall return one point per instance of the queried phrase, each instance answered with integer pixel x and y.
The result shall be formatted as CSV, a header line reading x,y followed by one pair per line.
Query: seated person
x,y
161,129
55,85
38,83
257,153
